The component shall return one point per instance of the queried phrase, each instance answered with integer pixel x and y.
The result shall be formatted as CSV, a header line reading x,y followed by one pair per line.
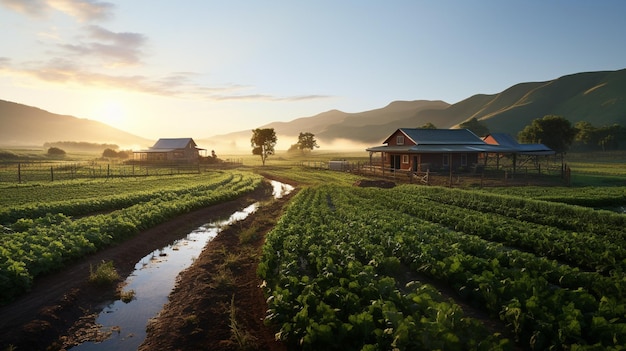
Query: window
x,y
405,158
446,161
400,140
463,160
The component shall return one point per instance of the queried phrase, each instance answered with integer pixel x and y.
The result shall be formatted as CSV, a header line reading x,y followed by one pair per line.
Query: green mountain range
x,y
596,97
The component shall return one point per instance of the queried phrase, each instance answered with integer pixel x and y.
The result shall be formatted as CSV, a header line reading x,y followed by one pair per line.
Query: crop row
x,y
597,197
85,206
335,285
602,253
544,303
42,244
559,215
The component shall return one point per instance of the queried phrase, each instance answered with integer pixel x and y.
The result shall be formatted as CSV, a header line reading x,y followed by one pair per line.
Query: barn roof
x,y
458,141
173,143
507,141
437,141
440,136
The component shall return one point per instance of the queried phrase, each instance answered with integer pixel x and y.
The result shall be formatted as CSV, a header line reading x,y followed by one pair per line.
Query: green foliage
x,y
263,142
555,132
475,127
55,151
306,141
238,334
44,237
104,274
604,138
428,125
552,272
8,155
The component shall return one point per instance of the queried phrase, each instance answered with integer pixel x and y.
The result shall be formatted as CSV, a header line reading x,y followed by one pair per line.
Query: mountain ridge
x,y
23,125
597,97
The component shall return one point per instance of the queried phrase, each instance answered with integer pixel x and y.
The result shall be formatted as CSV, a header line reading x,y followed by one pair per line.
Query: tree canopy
x,y
263,142
306,141
603,138
428,125
553,131
475,127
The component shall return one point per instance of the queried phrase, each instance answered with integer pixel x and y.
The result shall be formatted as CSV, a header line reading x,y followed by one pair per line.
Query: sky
x,y
199,68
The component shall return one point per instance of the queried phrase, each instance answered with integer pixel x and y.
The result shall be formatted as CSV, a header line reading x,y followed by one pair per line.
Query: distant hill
x,y
22,125
596,97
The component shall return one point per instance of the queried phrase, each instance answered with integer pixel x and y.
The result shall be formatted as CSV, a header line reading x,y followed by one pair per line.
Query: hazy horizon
x,y
154,68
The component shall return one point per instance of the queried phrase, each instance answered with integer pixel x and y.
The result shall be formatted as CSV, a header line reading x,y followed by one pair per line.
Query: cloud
x,y
178,84
4,62
115,48
82,10
34,8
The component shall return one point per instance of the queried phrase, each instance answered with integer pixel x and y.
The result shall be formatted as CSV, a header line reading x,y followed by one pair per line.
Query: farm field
x,y
344,267
46,225
410,267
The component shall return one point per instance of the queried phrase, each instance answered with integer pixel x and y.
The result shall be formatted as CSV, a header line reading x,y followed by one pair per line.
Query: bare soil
x,y
61,307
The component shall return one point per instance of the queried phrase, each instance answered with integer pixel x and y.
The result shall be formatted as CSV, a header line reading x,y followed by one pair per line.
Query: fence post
x,y
51,174
19,173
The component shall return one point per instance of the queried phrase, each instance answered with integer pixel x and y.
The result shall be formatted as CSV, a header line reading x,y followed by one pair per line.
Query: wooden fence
x,y
485,177
22,172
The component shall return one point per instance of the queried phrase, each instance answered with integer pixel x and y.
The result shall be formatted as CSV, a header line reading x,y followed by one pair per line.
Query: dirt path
x,y
57,301
218,303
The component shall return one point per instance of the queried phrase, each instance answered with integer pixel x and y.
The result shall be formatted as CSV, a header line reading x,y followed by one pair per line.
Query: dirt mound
x,y
365,183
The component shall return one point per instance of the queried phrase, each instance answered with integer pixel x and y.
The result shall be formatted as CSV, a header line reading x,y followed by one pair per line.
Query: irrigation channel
x,y
154,278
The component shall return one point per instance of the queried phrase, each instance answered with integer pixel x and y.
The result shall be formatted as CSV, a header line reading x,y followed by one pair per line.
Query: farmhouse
x,y
170,150
419,150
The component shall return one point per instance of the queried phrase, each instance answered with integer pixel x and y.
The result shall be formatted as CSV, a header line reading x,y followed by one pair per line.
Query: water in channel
x,y
153,279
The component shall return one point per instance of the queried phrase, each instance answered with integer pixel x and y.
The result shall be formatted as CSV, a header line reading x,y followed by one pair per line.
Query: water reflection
x,y
124,323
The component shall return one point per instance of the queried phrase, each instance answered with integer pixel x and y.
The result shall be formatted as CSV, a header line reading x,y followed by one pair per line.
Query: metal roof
x,y
435,149
440,136
173,143
458,141
507,141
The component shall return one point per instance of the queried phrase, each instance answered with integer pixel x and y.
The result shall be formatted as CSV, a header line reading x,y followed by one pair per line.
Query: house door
x,y
414,164
395,162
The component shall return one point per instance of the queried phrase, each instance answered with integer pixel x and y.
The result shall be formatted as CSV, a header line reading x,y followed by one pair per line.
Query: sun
x,y
112,112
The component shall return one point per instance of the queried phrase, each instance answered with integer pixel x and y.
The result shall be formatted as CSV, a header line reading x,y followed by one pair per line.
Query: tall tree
x,y
553,131
584,132
475,127
306,141
263,142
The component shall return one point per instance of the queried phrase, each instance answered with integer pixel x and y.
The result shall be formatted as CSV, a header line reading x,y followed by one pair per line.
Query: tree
x,y
475,126
428,126
584,132
263,142
109,153
55,151
306,141
553,131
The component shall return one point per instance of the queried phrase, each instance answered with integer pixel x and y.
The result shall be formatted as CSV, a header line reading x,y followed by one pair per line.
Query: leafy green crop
x,y
345,269
45,238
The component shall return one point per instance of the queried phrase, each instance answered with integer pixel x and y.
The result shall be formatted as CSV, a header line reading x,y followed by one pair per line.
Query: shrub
x,y
8,155
104,274
55,151
109,153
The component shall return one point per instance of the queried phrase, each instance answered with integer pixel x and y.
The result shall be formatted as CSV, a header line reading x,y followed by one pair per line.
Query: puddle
x,y
124,324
